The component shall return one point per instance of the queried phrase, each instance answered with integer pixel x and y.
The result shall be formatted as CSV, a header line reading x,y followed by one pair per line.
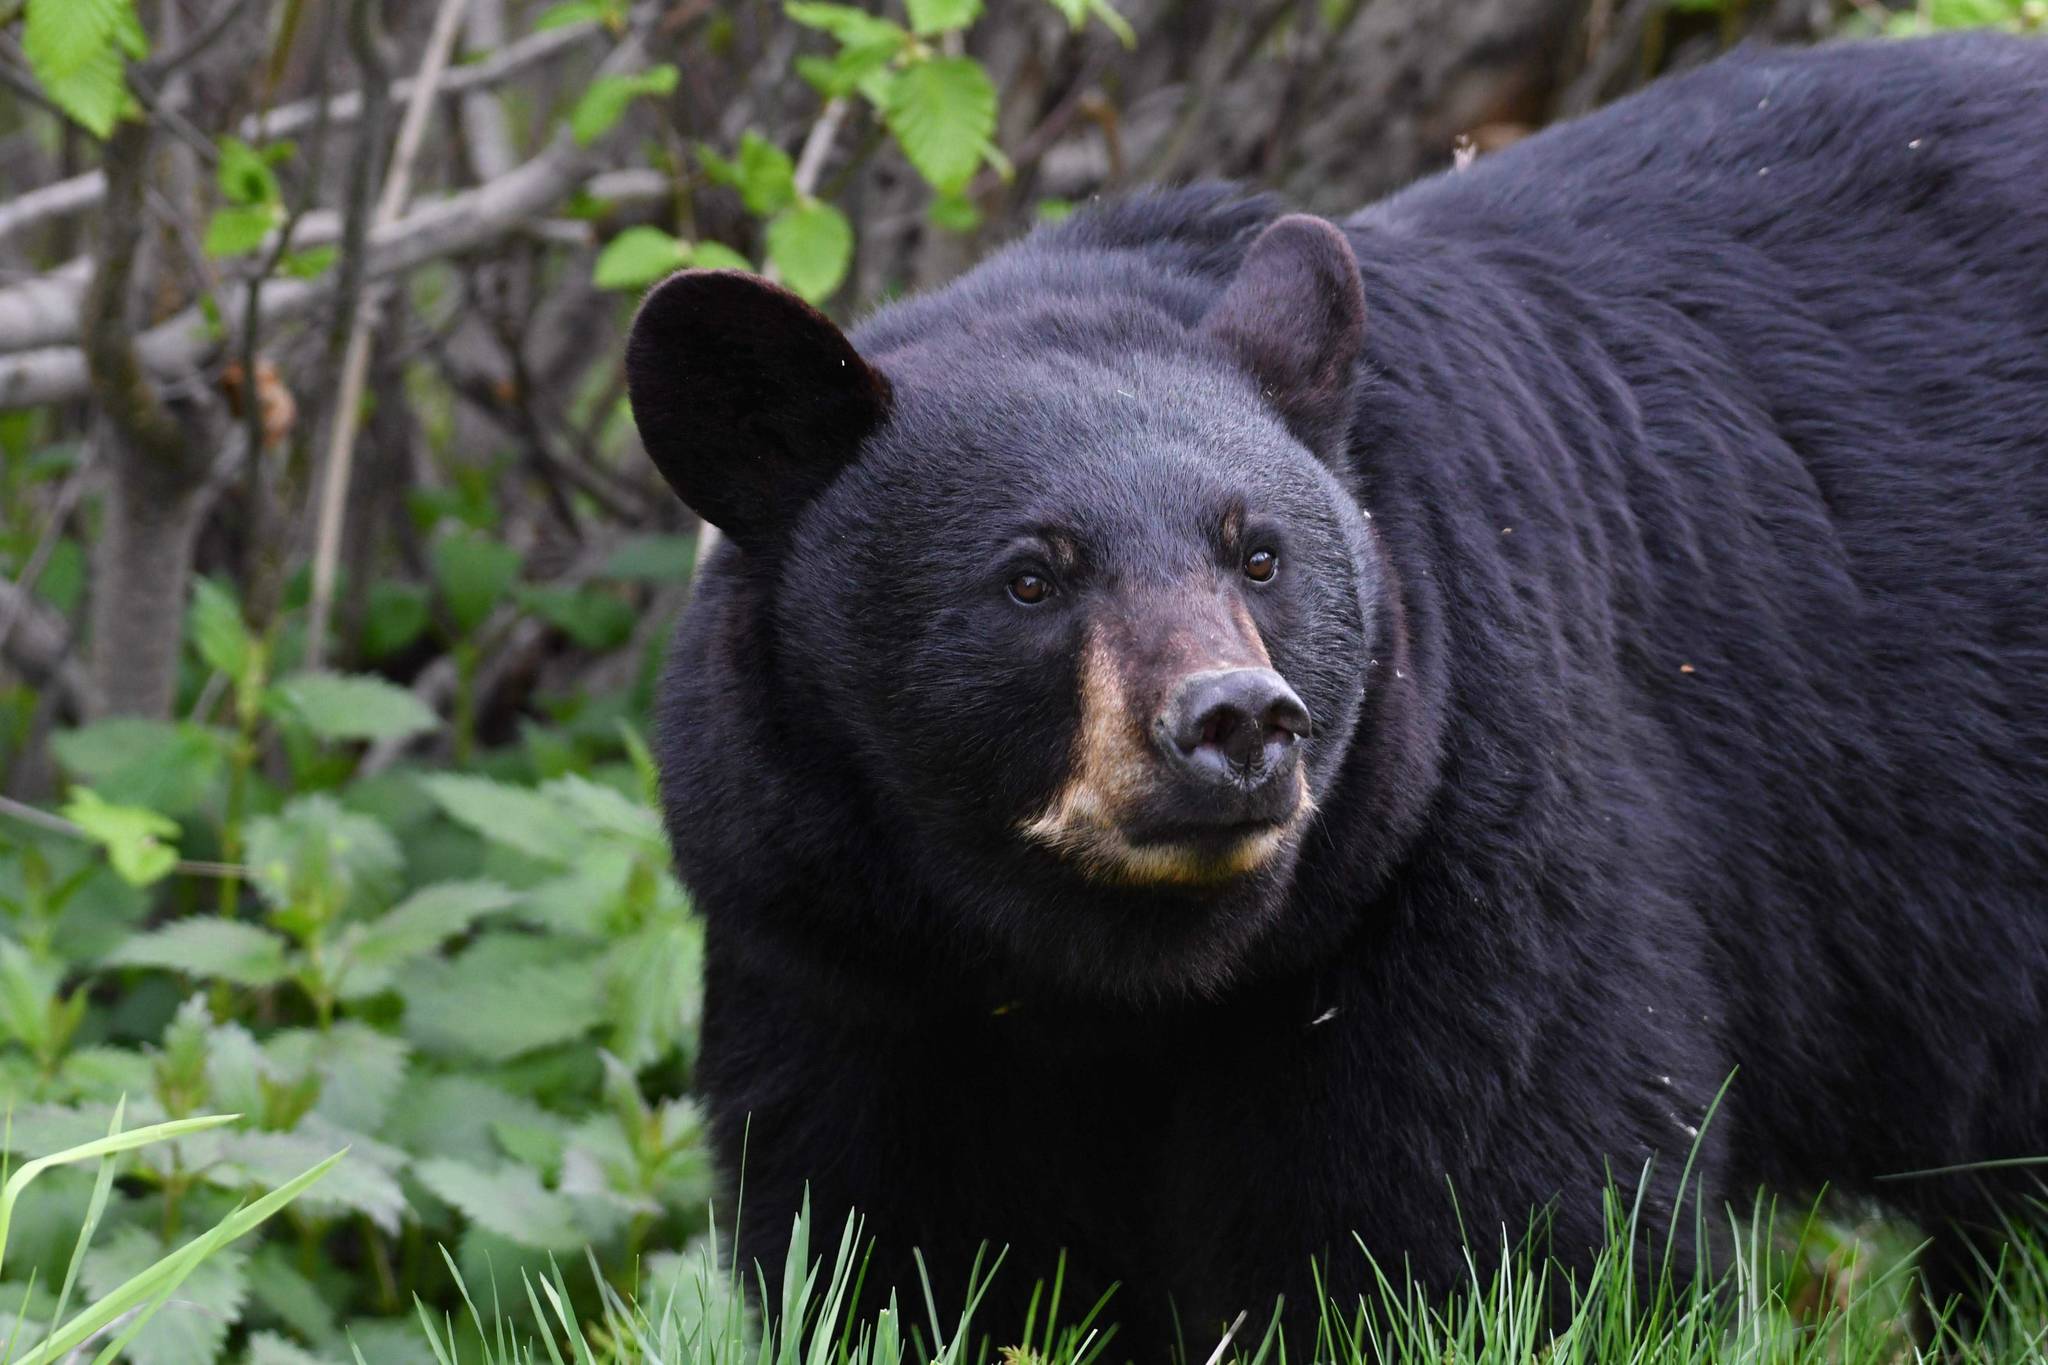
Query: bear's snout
x,y
1233,727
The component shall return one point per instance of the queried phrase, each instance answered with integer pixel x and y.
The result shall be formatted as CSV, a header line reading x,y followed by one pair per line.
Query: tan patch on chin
x,y
1107,856
1112,762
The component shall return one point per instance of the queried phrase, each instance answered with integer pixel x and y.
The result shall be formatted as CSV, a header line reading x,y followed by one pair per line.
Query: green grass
x,y
1824,1290
120,1314
1812,1290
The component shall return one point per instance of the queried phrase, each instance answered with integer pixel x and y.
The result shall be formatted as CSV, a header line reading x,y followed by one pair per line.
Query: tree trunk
x,y
142,574
156,470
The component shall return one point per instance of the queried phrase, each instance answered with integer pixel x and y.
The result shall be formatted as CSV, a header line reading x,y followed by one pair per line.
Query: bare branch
x,y
59,199
444,227
82,192
486,134
203,38
356,359
43,310
38,646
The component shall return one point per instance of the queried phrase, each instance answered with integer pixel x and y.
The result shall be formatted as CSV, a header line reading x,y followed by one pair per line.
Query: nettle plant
x,y
933,101
470,981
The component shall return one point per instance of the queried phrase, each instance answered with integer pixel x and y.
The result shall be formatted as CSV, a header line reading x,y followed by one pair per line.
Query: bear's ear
x,y
747,398
1294,316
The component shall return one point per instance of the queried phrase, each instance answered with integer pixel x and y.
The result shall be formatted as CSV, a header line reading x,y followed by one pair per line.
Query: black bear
x,y
1220,738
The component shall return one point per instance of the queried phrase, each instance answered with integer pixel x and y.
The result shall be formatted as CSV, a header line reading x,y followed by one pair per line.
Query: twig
x,y
485,133
442,227
262,572
201,39
166,112
356,360
57,824
46,544
17,80
39,646
439,228
79,193
810,162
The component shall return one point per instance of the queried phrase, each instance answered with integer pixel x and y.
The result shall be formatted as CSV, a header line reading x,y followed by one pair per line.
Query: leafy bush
x,y
472,981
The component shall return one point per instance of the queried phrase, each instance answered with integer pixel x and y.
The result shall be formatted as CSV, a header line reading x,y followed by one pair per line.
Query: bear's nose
x,y
1231,723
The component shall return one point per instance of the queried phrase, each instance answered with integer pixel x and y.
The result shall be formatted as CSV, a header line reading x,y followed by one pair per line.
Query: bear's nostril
x,y
1236,719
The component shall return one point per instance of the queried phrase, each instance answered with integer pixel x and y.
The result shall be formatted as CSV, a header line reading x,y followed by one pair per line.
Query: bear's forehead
x,y
1107,419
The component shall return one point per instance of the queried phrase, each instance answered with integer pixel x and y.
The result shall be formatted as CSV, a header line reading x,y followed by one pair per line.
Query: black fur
x,y
1672,618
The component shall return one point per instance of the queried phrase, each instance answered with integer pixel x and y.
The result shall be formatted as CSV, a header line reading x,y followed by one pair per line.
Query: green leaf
x,y
194,1325
845,71
218,633
474,573
509,1201
66,34
637,258
604,103
29,998
811,243
278,1286
245,176
268,1348
851,25
716,256
132,836
460,1115
171,768
767,177
651,559
517,817
361,1072
309,264
353,706
605,810
369,954
396,616
1947,14
930,17
359,1185
217,949
717,169
943,112
594,619
313,860
238,229
506,995
74,49
570,12
656,994
955,212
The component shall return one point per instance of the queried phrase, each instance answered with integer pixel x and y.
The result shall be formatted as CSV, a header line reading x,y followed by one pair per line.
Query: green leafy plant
x,y
471,981
936,104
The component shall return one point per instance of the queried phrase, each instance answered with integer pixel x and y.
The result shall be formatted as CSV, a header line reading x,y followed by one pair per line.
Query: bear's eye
x,y
1261,565
1030,589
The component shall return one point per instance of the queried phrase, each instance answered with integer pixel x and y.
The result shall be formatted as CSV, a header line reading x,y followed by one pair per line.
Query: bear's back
x,y
1727,408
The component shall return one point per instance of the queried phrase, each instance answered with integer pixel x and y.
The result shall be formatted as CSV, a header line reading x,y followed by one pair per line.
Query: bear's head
x,y
1073,588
